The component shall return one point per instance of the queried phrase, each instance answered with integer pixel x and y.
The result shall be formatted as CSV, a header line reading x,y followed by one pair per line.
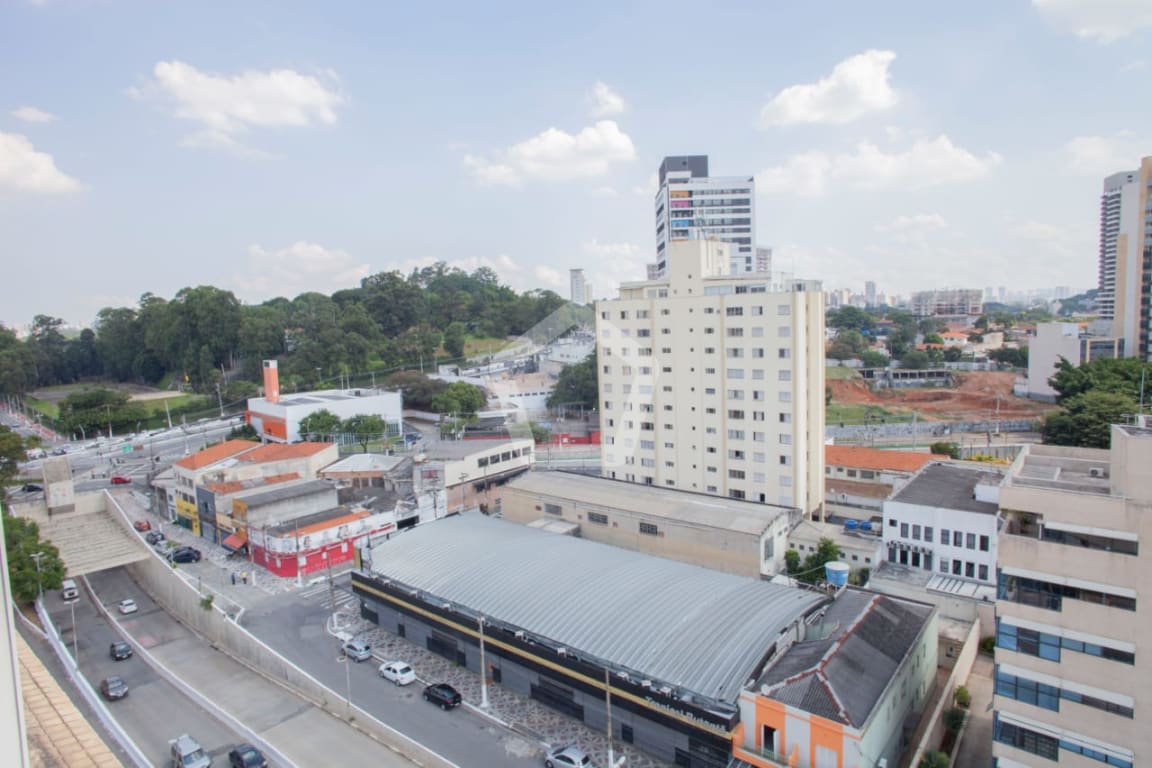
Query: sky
x,y
272,148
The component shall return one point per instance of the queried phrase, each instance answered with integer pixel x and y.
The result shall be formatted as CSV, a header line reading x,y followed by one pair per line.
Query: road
x,y
154,711
296,628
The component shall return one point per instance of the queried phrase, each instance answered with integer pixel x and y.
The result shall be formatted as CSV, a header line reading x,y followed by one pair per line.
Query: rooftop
x,y
326,396
949,486
695,508
235,486
454,450
365,462
283,492
283,451
855,651
1080,470
660,619
216,453
318,521
877,459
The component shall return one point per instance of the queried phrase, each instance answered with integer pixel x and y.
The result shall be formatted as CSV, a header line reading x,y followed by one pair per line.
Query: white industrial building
x,y
714,383
1054,341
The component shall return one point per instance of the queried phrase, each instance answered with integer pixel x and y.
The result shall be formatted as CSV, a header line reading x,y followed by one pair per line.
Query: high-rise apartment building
x,y
691,205
577,287
1125,268
1074,606
870,293
714,383
949,302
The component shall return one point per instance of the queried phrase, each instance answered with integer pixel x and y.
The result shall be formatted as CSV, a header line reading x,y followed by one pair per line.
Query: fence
x,y
932,429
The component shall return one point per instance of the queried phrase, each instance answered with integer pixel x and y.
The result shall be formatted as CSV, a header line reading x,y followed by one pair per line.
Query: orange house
x,y
841,697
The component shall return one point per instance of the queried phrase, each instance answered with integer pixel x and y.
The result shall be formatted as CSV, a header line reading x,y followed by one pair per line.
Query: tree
x,y
22,545
365,428
461,398
933,338
934,759
1017,357
916,360
812,569
1086,420
454,339
840,351
1121,375
873,359
944,448
417,389
953,354
11,454
852,318
578,385
319,425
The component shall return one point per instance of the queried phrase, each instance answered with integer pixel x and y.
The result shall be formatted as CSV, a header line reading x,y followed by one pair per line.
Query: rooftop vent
x,y
1097,472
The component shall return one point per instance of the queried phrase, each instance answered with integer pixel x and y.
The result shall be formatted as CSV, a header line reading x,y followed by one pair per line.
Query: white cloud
x,y
30,114
24,169
1103,155
1038,230
299,268
648,188
924,164
605,191
555,155
919,221
551,278
1103,21
227,106
601,250
857,86
1136,65
605,101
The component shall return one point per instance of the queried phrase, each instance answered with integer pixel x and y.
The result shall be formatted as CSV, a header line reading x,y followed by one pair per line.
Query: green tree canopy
x,y
366,428
1121,375
1086,419
578,385
460,398
11,454
852,318
22,544
916,359
320,425
811,569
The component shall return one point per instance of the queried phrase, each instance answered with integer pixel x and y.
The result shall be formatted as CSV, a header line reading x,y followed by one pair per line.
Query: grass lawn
x,y
858,413
840,372
49,409
476,347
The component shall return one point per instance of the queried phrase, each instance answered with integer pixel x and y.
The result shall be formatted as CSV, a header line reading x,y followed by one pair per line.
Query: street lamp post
x,y
75,635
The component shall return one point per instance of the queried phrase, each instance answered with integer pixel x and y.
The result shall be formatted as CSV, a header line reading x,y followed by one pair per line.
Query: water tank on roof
x,y
836,573
851,525
865,525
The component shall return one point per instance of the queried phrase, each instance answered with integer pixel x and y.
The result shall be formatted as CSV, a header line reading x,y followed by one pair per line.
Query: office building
x,y
870,294
577,287
1067,341
1074,606
691,205
1125,268
949,302
714,383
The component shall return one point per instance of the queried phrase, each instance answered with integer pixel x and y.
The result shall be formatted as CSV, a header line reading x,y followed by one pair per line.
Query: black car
x,y
153,537
246,756
31,488
442,695
185,555
120,650
113,688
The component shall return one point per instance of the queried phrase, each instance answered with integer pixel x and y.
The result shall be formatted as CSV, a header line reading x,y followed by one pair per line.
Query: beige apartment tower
x,y
714,383
1074,607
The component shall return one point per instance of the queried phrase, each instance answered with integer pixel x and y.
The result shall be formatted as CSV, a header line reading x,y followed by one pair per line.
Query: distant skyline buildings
x,y
1125,258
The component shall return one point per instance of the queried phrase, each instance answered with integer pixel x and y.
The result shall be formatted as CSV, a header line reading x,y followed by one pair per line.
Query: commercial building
x,y
725,534
863,477
714,383
276,417
949,302
1074,606
860,544
1125,266
945,521
1068,341
691,205
463,474
580,291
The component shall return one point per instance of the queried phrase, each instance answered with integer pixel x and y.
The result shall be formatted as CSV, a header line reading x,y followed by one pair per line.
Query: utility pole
x,y
219,400
608,713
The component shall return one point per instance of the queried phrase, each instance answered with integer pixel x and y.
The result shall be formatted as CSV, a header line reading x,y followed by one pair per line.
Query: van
x,y
68,590
187,753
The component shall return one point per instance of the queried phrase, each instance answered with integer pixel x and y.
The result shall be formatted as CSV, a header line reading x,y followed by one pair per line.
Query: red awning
x,y
235,541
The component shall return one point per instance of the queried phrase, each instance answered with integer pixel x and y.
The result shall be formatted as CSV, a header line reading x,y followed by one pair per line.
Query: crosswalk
x,y
323,594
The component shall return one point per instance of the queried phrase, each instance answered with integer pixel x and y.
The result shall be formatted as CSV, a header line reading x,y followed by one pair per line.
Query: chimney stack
x,y
271,381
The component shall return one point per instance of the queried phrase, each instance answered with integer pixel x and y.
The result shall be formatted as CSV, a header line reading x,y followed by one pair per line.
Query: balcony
x,y
764,758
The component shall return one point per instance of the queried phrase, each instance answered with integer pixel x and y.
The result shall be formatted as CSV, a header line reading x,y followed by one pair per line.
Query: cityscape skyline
x,y
235,147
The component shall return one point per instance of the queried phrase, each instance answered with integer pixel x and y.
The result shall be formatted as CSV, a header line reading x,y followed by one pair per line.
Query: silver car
x,y
567,757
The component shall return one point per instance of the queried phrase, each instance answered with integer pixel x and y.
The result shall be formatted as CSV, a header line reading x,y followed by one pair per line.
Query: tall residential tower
x,y
1125,269
714,383
691,205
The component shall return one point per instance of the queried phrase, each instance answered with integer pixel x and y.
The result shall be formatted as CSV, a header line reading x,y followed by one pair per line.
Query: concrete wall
x,y
934,733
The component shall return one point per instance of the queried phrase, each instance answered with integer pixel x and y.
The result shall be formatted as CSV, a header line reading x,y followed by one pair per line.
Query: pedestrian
x,y
233,578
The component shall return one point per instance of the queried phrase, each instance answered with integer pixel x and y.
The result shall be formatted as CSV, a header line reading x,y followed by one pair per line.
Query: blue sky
x,y
272,148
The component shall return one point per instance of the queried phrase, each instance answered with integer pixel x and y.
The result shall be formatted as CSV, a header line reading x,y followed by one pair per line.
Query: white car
x,y
399,672
357,650
127,606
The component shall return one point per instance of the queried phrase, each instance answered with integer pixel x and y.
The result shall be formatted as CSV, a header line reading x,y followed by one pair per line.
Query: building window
x,y
1029,741
957,539
736,474
784,375
648,529
982,573
945,536
598,518
1048,646
971,541
1045,594
984,543
734,311
736,493
916,533
903,530
552,509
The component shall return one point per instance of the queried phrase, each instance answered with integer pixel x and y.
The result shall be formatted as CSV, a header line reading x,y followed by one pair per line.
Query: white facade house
x,y
471,472
1054,341
691,205
946,521
714,383
279,420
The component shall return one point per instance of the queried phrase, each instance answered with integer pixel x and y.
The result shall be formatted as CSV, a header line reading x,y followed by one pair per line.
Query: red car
x,y
142,525
121,480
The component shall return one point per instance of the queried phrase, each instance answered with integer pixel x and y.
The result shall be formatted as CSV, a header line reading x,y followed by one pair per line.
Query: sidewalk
x,y
976,749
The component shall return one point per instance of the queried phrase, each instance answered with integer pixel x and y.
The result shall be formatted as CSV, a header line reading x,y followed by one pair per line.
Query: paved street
x,y
976,749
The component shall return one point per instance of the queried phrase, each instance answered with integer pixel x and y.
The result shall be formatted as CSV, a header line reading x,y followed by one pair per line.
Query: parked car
x,y
357,650
246,756
399,672
59,451
120,650
31,488
442,695
121,480
155,537
187,753
113,688
142,525
127,606
566,756
185,555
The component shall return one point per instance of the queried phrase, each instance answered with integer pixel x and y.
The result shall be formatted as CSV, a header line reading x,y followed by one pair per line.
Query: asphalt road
x,y
154,711
296,629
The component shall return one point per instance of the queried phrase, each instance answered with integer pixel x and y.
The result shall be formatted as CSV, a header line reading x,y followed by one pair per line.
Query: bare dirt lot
x,y
974,397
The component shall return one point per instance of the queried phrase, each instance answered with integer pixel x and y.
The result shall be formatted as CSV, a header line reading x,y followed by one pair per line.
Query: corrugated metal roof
x,y
696,508
697,629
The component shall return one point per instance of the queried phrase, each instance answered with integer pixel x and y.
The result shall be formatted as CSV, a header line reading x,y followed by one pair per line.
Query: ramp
x,y
89,536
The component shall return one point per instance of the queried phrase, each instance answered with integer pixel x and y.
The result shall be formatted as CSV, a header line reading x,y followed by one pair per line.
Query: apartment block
x,y
1125,262
950,302
1073,609
691,205
714,383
